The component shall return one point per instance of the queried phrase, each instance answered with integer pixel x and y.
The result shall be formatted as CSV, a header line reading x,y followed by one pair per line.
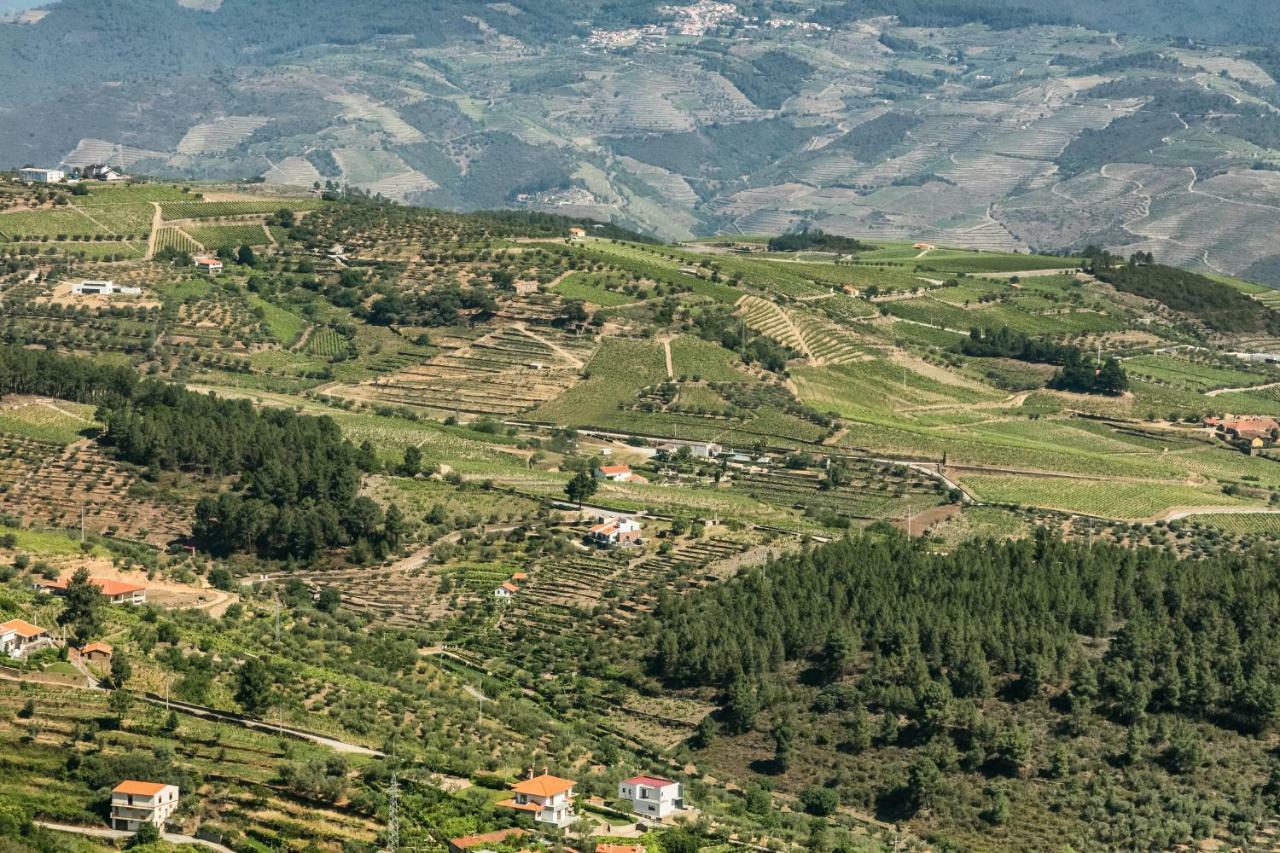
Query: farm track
x,y
1247,388
120,835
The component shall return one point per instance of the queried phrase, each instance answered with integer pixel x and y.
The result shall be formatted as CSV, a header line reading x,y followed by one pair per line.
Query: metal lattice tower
x,y
393,815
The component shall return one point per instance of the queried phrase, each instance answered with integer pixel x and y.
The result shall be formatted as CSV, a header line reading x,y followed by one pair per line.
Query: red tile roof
x,y
649,781
139,789
615,469
96,647
619,848
22,628
544,786
107,586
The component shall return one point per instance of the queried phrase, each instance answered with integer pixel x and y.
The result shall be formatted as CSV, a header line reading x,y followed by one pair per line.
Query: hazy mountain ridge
x,y
690,119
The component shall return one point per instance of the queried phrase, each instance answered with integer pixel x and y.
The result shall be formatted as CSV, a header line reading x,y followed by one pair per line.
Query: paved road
x,y
120,835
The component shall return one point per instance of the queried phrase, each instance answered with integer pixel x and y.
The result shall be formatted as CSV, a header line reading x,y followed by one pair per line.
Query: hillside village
x,y
454,610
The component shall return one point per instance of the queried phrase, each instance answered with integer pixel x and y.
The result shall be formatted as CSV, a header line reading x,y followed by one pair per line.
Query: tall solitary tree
x,y
82,608
253,686
581,487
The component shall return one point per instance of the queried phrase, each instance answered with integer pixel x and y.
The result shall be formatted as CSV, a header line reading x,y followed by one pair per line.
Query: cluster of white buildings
x,y
696,20
95,172
549,799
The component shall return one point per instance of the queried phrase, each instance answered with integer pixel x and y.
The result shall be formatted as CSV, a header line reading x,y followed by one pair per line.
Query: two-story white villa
x,y
652,797
135,803
547,798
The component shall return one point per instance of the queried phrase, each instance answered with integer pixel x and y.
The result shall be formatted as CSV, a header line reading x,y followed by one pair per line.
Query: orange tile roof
x,y
615,469
607,527
619,848
520,576
524,807
510,587
139,789
468,841
544,786
98,646
107,586
22,628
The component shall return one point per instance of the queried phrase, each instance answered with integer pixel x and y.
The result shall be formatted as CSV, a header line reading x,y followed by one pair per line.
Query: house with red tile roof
x,y
18,637
615,532
116,592
134,803
97,652
652,796
506,591
546,798
614,473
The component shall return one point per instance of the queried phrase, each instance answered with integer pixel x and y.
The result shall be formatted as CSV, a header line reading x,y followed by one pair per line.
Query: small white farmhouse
x,y
651,796
135,803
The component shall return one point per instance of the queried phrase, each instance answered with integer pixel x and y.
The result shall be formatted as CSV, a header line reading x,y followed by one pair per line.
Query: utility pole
x,y
81,524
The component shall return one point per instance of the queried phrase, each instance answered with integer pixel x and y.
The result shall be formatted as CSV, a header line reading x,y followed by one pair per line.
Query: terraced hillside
x,y
690,119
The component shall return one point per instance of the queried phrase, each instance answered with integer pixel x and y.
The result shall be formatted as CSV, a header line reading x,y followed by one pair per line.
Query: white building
x,y
41,176
618,531
101,172
135,803
506,591
651,796
103,288
614,473
209,265
548,799
18,637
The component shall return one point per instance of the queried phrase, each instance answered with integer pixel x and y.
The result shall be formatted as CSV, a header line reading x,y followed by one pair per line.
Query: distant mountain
x,y
914,119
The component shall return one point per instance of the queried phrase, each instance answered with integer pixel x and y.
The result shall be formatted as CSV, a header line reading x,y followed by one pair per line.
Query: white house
x,y
209,265
506,591
33,175
617,531
548,799
651,796
704,450
103,288
135,803
614,473
18,637
101,172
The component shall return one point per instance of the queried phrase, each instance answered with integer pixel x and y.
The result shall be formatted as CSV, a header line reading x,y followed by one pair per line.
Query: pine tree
x,y
82,607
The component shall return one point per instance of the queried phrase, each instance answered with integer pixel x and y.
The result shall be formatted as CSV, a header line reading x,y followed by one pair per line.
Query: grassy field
x,y
1105,498
215,209
588,288
215,237
286,327
60,422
